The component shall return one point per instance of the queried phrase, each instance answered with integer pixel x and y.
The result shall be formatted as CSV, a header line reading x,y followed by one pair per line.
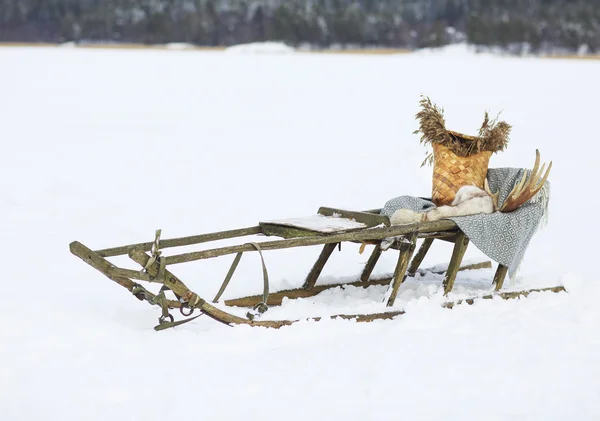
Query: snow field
x,y
104,147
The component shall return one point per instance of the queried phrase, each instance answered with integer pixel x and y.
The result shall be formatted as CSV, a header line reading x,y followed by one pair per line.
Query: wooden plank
x,y
283,231
400,272
471,266
462,241
99,263
418,259
318,223
366,318
499,277
370,219
373,259
131,274
314,273
108,269
366,234
504,295
181,241
448,235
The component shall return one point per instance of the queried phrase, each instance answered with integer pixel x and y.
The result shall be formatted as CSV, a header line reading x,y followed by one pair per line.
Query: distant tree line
x,y
536,25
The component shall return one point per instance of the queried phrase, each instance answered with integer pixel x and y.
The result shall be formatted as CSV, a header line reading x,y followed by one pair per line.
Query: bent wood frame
x,y
377,229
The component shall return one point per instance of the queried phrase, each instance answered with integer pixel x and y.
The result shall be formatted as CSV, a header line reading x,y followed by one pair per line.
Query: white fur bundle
x,y
469,200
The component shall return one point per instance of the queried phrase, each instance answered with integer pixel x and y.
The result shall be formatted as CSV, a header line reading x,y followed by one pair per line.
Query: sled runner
x,y
329,228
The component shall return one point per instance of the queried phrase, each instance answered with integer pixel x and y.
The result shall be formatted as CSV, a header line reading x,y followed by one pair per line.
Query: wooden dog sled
x,y
329,228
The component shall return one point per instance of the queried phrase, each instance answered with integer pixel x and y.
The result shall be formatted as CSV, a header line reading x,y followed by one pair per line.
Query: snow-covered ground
x,y
105,146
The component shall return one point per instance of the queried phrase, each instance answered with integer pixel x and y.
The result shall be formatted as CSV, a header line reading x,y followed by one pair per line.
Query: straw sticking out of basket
x,y
458,159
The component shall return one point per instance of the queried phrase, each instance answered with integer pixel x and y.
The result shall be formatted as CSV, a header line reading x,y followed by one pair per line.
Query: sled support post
x,y
418,259
314,273
373,259
460,246
400,272
500,276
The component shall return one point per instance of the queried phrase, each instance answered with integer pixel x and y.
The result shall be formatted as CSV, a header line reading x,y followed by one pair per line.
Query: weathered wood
x,y
365,234
499,277
99,263
169,280
373,259
418,259
365,317
108,269
400,272
314,273
472,266
475,266
460,246
448,236
283,231
182,241
131,274
370,219
504,295
276,298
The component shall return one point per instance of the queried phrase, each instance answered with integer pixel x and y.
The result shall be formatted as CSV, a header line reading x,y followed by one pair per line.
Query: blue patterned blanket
x,y
503,237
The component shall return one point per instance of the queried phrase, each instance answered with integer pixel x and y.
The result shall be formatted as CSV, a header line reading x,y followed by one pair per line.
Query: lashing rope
x,y
261,307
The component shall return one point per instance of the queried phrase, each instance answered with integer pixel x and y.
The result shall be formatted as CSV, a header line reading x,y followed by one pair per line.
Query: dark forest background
x,y
513,25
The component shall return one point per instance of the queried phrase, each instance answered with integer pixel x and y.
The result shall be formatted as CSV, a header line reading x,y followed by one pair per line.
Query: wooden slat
x,y
99,263
283,231
181,241
131,274
314,273
418,259
365,234
108,269
449,236
373,259
499,277
370,219
460,246
504,295
472,266
400,272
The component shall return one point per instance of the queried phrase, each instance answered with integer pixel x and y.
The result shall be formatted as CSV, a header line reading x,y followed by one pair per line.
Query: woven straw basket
x,y
451,172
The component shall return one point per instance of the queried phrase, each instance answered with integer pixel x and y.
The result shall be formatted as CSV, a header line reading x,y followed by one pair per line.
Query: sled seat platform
x,y
328,228
372,228
325,221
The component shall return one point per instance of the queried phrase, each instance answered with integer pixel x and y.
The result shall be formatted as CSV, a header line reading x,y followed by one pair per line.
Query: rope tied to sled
x,y
261,307
166,319
189,301
156,257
